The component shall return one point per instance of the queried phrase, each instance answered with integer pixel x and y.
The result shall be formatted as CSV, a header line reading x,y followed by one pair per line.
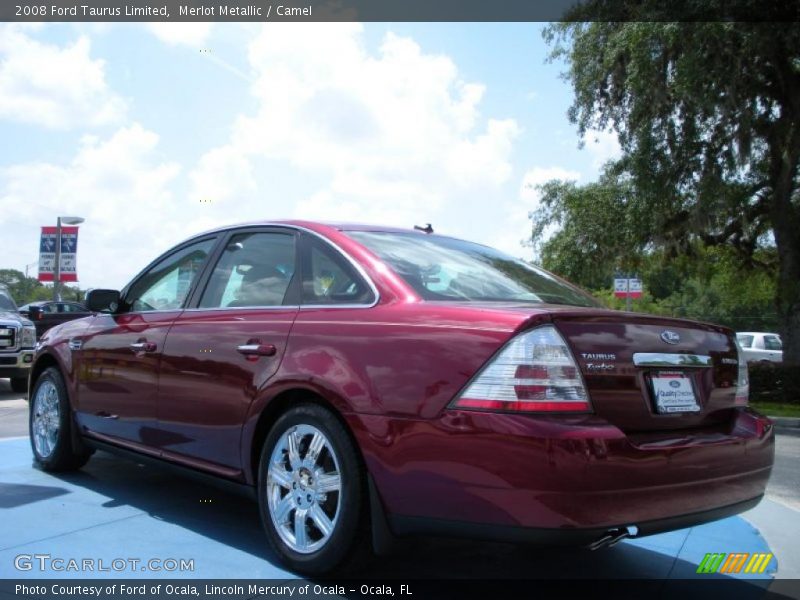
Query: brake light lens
x,y
742,379
535,372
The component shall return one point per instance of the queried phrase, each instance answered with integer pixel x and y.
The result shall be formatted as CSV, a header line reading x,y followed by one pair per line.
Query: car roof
x,y
318,226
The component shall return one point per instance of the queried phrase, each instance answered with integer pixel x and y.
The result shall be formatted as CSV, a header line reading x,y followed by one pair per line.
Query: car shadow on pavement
x,y
224,517
19,494
233,521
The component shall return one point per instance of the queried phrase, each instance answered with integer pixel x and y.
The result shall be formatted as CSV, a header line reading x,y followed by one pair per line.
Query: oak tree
x,y
708,119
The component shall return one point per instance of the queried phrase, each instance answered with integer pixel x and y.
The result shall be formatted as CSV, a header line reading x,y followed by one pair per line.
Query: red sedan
x,y
369,381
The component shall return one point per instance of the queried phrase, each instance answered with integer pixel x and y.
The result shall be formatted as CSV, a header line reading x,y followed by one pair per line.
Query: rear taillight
x,y
534,372
742,379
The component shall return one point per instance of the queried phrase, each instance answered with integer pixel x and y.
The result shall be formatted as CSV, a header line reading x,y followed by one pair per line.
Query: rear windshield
x,y
441,268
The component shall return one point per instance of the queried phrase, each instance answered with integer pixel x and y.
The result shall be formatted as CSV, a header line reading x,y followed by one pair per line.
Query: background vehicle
x,y
17,339
46,314
761,347
365,380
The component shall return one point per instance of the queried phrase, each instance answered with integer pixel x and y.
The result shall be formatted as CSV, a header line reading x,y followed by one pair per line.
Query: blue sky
x,y
156,132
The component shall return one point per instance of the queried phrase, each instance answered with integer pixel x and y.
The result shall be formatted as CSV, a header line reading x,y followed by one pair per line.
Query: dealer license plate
x,y
673,392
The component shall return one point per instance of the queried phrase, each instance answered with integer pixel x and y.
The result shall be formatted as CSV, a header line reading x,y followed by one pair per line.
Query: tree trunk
x,y
788,294
786,227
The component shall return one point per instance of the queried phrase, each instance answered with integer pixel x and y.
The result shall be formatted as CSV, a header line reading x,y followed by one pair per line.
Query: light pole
x,y
57,273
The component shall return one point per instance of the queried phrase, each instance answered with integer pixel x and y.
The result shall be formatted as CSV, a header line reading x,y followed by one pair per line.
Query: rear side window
x,y
440,268
745,341
772,342
329,279
255,269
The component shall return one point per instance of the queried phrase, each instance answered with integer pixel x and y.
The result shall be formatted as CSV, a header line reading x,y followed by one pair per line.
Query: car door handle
x,y
257,349
143,346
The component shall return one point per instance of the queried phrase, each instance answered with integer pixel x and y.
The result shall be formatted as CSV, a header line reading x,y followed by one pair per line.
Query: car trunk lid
x,y
646,373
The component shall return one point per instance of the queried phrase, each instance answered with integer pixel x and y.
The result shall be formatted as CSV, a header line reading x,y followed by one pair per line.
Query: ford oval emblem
x,y
670,337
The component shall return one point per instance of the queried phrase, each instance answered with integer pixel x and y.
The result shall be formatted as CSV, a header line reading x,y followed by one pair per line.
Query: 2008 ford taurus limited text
x,y
368,382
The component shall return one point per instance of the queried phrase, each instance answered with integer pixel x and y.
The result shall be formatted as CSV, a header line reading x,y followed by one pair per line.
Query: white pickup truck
x,y
17,340
761,347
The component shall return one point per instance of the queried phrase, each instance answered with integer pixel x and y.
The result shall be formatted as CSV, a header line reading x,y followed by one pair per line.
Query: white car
x,y
761,347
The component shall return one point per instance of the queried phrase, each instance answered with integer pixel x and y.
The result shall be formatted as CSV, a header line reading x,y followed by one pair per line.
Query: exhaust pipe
x,y
614,536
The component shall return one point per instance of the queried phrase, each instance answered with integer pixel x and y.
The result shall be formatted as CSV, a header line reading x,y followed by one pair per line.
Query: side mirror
x,y
34,313
102,300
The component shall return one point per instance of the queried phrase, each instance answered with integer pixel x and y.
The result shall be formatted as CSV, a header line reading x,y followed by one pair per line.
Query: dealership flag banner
x,y
628,288
47,253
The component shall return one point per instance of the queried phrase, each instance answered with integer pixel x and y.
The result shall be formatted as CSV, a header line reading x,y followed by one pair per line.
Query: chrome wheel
x,y
304,488
46,419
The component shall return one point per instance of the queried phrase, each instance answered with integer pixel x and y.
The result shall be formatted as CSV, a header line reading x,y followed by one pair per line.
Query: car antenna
x,y
426,229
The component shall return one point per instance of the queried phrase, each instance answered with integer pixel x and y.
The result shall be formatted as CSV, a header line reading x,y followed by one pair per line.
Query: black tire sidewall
x,y
348,527
62,453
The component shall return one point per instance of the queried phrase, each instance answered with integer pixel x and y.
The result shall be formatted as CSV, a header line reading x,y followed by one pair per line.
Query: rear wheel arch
x,y
305,409
278,406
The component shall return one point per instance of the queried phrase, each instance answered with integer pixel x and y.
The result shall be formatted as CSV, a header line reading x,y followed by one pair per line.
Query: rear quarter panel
x,y
404,360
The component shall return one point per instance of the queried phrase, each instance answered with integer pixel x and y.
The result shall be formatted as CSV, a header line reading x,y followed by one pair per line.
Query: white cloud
x,y
122,190
393,135
514,215
222,175
603,146
58,87
539,175
194,35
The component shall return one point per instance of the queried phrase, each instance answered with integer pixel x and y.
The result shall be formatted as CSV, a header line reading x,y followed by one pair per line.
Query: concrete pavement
x,y
116,509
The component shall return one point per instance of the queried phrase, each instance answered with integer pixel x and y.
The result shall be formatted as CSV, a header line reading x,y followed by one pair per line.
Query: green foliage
x,y
775,383
30,289
709,285
598,229
708,119
777,409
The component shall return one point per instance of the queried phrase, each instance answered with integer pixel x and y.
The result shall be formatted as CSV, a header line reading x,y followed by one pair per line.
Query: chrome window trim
x,y
240,308
359,269
664,359
224,230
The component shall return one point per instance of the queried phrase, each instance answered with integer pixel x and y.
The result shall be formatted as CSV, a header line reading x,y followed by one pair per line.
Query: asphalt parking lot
x,y
118,509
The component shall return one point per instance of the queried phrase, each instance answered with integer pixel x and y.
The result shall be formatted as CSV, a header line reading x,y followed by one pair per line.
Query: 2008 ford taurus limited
x,y
369,382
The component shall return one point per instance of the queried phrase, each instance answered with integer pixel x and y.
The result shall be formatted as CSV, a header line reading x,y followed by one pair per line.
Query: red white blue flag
x,y
69,251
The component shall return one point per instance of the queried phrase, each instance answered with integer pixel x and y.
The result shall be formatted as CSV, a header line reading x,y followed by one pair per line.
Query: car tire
x,y
314,484
19,385
50,424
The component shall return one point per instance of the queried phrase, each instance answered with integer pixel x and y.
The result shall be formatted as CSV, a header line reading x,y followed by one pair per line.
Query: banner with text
x,y
771,11
47,253
628,288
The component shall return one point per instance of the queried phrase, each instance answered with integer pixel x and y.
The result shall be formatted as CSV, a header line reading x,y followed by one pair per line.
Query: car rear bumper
x,y
403,525
562,473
